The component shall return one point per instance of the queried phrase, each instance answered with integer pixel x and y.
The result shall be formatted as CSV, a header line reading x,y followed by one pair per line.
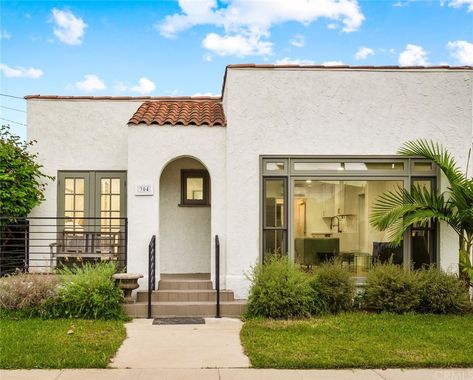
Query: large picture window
x,y
318,209
331,220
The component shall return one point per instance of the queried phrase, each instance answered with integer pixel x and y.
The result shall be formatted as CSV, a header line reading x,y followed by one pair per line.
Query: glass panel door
x,y
423,237
110,202
74,200
274,216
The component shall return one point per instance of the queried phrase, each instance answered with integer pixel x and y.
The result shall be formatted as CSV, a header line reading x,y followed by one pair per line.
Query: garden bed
x,y
360,340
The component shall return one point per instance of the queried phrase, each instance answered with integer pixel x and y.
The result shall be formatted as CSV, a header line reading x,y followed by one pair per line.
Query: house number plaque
x,y
144,189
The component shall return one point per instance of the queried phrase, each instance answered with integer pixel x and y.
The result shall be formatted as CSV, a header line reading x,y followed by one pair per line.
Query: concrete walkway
x,y
237,374
216,344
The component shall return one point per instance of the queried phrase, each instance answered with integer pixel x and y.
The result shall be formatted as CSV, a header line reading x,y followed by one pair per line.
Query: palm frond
x,y
439,155
396,210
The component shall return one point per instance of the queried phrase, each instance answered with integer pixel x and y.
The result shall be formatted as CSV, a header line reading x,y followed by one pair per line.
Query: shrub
x,y
88,292
334,288
442,293
27,293
279,290
390,288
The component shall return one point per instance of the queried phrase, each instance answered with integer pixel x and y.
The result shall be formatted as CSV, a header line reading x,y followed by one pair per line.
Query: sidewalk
x,y
237,374
215,344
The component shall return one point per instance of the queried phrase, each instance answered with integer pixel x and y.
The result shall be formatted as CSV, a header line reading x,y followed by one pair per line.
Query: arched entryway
x,y
184,217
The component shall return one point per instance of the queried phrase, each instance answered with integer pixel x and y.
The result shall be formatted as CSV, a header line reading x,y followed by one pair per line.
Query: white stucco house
x,y
289,158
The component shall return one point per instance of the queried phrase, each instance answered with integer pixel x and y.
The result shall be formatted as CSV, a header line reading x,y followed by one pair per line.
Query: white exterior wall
x,y
74,135
331,112
184,235
269,112
150,150
78,135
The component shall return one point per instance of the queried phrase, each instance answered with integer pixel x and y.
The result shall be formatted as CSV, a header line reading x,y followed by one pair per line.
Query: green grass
x,y
37,343
359,340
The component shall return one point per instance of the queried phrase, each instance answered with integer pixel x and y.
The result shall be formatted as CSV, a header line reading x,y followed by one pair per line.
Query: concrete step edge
x,y
187,303
186,291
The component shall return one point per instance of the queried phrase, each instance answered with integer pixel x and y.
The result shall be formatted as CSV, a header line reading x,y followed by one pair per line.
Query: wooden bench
x,y
85,245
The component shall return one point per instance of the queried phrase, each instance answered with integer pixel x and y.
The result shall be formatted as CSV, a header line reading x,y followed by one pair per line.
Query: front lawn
x,y
360,340
37,343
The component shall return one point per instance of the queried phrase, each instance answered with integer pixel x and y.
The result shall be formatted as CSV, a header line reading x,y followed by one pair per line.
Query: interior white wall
x,y
331,112
184,238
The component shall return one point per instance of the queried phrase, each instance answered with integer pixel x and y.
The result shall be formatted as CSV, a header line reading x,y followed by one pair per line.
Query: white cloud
x,y
459,3
333,63
4,35
413,55
20,72
205,94
332,25
207,57
302,62
69,28
290,61
91,83
260,15
400,4
363,53
239,45
298,40
145,86
462,51
248,23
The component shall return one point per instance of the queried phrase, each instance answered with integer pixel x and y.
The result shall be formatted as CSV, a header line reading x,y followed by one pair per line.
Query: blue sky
x,y
181,48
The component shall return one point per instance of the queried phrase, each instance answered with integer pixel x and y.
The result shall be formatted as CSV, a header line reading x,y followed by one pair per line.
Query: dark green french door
x,y
84,194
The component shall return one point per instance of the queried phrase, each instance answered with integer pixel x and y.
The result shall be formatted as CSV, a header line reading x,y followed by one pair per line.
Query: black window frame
x,y
195,173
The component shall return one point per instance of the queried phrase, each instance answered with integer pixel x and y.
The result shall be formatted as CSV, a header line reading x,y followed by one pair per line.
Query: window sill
x,y
191,205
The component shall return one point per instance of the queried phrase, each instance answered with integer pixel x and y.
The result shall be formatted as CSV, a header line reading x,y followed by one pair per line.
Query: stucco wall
x,y
268,111
78,135
73,135
184,238
150,149
331,112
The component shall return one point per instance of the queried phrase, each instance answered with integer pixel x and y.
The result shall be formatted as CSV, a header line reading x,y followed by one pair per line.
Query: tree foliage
x,y
397,210
22,180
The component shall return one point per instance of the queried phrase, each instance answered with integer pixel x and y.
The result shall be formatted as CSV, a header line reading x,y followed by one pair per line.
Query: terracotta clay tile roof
x,y
207,112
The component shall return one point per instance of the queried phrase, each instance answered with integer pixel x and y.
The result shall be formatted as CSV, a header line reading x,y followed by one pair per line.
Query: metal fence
x,y
42,244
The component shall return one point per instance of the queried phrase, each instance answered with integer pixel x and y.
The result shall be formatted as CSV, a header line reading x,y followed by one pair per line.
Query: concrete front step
x,y
188,309
204,295
185,285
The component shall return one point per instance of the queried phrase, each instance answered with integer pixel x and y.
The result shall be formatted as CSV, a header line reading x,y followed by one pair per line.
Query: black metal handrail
x,y
217,274
151,271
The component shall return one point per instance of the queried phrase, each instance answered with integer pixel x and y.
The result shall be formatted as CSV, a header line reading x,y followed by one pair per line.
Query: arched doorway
x,y
184,217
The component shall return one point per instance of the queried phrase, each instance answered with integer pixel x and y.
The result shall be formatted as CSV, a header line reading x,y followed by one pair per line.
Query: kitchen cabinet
x,y
328,200
339,199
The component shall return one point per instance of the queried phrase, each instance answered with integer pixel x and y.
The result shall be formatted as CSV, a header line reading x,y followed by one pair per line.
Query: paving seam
x,y
61,371
377,373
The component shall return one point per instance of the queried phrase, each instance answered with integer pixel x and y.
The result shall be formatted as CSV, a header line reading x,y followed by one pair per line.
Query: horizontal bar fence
x,y
42,244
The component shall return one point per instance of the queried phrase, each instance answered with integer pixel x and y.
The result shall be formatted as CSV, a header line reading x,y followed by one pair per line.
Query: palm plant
x,y
397,210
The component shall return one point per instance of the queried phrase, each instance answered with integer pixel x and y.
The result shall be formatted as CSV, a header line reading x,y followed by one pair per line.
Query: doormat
x,y
179,321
